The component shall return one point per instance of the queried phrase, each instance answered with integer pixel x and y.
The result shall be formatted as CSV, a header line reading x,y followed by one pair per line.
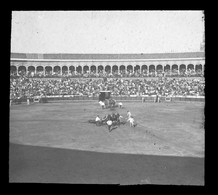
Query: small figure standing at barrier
x,y
28,101
157,98
143,99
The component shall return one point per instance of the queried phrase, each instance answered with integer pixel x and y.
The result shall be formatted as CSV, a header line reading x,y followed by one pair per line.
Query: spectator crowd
x,y
29,87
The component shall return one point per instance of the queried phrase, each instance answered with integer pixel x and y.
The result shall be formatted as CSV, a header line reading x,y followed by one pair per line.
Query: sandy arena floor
x,y
171,129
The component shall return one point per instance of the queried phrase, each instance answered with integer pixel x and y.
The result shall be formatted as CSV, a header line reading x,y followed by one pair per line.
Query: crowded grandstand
x,y
23,87
29,78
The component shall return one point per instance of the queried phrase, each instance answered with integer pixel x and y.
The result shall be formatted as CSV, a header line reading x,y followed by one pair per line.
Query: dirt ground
x,y
172,129
54,143
37,164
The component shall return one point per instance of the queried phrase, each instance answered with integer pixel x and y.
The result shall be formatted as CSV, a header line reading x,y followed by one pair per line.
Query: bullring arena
x,y
166,146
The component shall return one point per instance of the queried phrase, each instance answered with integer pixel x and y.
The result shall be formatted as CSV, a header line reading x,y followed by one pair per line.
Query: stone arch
x,y
64,69
57,69
174,67
198,67
190,66
100,68
122,68
31,68
151,68
159,67
144,68
137,68
72,69
13,69
108,69
93,68
167,67
48,69
22,69
129,68
85,69
79,69
114,68
39,69
182,67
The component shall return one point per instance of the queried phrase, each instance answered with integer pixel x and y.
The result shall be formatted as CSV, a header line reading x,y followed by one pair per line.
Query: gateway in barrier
x,y
104,95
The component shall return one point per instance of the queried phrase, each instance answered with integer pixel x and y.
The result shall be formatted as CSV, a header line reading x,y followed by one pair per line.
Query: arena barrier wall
x,y
162,98
117,98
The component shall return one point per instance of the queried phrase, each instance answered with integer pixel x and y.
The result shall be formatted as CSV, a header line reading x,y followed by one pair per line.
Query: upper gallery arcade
x,y
107,62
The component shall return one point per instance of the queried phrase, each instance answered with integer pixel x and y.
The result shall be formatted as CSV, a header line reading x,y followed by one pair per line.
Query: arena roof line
x,y
142,56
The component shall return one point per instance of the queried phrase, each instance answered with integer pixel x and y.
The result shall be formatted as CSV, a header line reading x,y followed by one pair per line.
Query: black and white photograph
x,y
107,97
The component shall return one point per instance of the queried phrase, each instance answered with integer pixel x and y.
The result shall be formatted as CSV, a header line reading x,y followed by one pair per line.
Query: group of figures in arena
x,y
110,103
113,120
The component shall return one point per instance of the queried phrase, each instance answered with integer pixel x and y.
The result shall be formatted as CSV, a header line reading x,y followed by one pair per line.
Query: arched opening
x,y
198,69
13,70
190,70
31,71
79,69
174,69
85,69
72,69
137,69
64,70
108,69
48,70
57,70
159,69
93,69
22,70
152,68
122,69
182,69
129,68
190,67
144,69
167,67
115,69
100,69
39,70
